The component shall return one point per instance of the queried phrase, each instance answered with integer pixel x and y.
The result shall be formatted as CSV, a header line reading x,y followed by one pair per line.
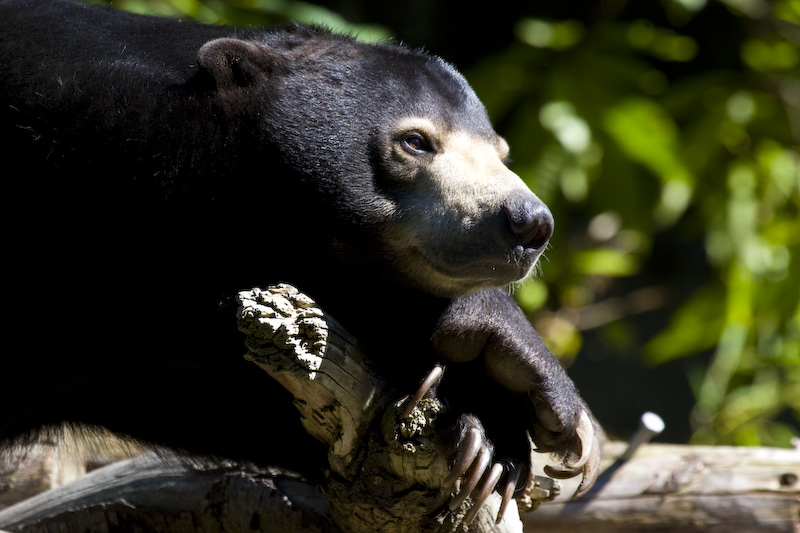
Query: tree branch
x,y
386,476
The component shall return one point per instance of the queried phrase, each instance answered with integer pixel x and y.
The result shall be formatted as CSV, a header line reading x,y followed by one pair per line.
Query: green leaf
x,y
605,262
694,328
645,133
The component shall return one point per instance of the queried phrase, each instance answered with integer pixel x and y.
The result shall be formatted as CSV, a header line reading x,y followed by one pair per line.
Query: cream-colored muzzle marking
x,y
453,202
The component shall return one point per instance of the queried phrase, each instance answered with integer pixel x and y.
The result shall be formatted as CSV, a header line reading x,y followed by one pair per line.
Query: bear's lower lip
x,y
497,274
487,271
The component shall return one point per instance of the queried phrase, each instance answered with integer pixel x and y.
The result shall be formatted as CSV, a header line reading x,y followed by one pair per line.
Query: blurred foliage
x,y
666,141
251,13
611,124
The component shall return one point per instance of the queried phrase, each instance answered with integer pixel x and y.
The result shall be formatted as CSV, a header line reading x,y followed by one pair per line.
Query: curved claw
x,y
486,489
478,468
468,450
508,492
585,431
561,471
590,471
430,380
587,464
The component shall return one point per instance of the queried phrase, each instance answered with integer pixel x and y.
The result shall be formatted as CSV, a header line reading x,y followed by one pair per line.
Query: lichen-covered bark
x,y
384,476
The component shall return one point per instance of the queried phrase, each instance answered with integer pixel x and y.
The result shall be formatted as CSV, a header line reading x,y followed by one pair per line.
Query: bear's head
x,y
391,150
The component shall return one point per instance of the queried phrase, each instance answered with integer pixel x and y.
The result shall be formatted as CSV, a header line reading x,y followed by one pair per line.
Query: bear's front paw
x,y
576,444
473,469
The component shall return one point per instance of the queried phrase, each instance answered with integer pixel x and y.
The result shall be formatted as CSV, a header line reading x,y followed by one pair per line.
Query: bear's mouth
x,y
459,274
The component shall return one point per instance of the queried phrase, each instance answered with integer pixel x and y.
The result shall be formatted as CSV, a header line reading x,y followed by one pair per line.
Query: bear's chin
x,y
441,279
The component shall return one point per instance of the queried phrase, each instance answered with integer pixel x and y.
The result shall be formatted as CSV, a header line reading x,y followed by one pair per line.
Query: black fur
x,y
155,180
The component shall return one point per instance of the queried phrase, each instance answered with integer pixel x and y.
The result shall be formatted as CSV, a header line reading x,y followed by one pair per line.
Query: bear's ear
x,y
234,62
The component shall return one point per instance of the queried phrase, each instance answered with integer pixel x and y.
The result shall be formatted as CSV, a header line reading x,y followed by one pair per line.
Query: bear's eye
x,y
416,144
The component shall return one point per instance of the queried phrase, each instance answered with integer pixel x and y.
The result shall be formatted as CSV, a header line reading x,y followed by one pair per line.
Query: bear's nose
x,y
530,221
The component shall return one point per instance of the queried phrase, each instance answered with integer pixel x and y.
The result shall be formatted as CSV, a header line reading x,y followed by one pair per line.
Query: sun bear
x,y
134,146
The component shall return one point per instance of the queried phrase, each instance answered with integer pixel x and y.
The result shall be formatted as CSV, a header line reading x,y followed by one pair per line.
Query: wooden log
x,y
663,488
687,489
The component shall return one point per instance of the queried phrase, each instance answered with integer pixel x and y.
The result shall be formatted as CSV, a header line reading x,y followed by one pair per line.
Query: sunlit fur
x,y
452,209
